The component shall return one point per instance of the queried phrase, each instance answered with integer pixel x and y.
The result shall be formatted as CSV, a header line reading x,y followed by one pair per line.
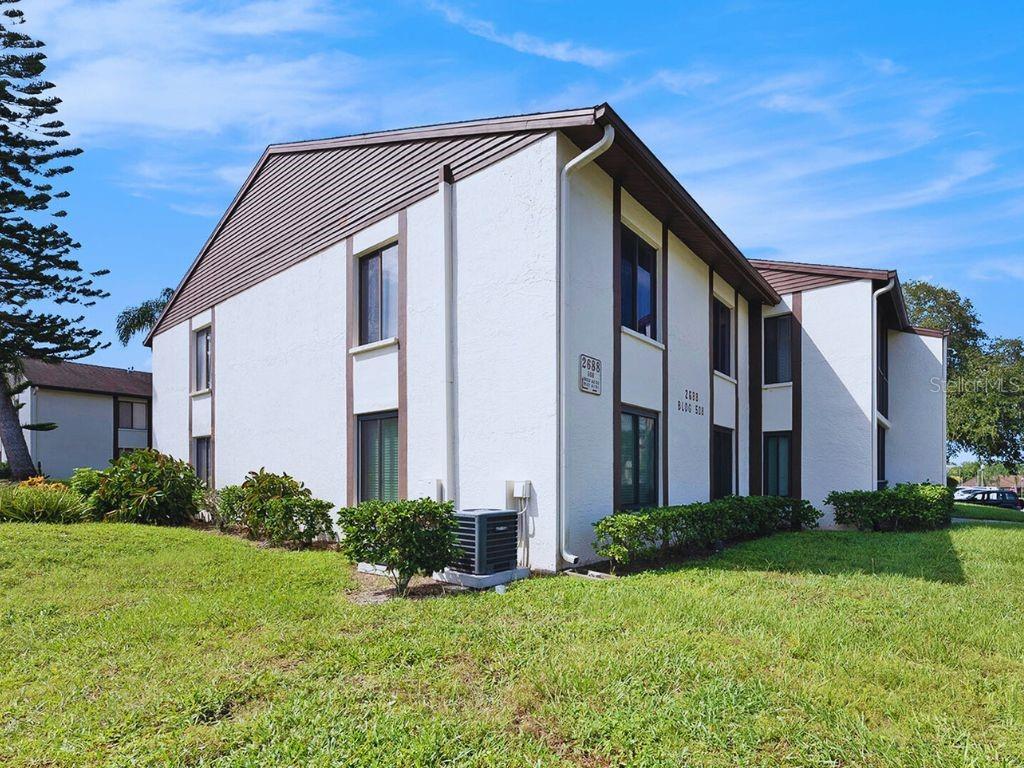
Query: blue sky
x,y
857,134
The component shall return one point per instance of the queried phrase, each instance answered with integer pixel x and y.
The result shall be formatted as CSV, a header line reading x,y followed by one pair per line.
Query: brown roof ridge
x,y
837,270
87,377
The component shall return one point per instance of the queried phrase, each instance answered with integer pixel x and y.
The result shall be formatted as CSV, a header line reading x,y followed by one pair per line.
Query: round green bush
x,y
147,486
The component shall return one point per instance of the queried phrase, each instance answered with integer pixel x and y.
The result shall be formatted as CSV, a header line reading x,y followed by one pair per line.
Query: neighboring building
x,y
100,412
1003,482
852,413
444,311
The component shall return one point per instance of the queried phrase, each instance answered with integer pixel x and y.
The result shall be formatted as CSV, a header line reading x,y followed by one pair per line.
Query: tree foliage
x,y
985,392
142,317
38,275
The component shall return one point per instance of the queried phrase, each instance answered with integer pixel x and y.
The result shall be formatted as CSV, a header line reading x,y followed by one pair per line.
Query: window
x,y
638,460
378,457
204,460
721,320
638,281
378,295
131,415
721,463
777,349
882,482
776,463
203,363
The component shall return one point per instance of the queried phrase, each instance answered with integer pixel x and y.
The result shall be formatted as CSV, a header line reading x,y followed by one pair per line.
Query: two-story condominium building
x,y
528,310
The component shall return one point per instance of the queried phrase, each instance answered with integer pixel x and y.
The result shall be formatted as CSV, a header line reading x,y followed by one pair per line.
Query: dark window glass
x,y
203,460
721,318
721,474
638,462
378,295
124,415
882,482
776,464
131,415
203,363
777,344
378,457
638,287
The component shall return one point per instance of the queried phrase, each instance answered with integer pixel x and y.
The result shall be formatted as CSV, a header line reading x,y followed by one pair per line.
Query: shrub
x,y
35,480
275,507
407,537
225,507
629,537
41,503
908,506
146,486
86,481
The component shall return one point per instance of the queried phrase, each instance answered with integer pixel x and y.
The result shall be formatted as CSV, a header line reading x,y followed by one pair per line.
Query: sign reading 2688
x,y
590,375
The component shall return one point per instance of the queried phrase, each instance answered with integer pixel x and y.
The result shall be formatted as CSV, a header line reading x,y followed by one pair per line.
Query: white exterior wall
x,y
279,377
916,442
85,431
689,363
505,243
171,391
837,384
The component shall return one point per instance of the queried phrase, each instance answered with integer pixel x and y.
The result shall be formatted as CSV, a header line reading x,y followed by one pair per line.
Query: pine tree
x,y
38,275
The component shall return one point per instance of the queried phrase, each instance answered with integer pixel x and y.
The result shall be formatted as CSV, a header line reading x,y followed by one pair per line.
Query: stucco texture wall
x,y
916,443
85,431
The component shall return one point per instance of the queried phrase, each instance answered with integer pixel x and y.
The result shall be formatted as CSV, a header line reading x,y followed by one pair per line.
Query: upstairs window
x,y
203,361
131,415
778,359
378,295
721,324
638,284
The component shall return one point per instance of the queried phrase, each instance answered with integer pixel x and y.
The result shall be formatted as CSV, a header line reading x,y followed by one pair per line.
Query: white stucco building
x,y
99,413
443,311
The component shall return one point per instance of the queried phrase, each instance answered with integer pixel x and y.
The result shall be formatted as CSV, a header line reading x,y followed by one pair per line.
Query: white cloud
x,y
564,50
999,269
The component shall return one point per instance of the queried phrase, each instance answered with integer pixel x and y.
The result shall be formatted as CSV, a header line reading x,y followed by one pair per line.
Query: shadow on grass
x,y
930,556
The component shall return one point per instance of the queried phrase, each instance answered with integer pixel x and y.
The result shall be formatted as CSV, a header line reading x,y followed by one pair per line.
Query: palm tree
x,y
143,317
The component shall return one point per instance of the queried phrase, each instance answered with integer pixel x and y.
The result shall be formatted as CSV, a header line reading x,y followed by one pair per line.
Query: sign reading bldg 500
x,y
690,403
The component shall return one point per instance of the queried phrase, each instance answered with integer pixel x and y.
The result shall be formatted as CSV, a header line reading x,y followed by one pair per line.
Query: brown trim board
x,y
755,406
664,364
711,382
796,444
403,414
351,333
616,342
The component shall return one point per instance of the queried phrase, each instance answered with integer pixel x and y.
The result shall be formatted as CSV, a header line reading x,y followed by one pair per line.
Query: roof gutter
x,y
578,162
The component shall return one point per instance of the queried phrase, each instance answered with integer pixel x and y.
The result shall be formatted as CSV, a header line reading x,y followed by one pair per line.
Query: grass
x,y
984,512
128,645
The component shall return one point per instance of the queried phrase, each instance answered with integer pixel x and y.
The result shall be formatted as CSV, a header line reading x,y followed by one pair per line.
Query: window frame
x,y
721,346
202,352
122,423
636,502
722,435
775,435
361,420
377,255
774,367
631,258
206,477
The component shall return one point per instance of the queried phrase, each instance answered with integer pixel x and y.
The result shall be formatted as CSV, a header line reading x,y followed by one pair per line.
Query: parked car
x,y
966,491
1005,499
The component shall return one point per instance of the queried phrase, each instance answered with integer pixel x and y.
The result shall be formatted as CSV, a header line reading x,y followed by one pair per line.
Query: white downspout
x,y
571,167
451,490
874,380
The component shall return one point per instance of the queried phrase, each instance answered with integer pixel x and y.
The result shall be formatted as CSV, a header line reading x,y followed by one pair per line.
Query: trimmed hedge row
x,y
904,507
660,532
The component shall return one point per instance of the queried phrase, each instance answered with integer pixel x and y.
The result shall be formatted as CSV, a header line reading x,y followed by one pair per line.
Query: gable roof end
x,y
304,197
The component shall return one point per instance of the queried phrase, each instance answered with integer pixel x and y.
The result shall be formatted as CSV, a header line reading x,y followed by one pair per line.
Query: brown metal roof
x,y
82,377
789,276
304,197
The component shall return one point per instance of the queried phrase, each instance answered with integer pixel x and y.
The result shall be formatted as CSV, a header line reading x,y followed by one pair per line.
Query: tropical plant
x,y
142,317
42,503
146,486
408,537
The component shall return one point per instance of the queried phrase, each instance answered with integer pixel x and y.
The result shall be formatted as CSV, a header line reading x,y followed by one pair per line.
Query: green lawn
x,y
124,645
983,512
